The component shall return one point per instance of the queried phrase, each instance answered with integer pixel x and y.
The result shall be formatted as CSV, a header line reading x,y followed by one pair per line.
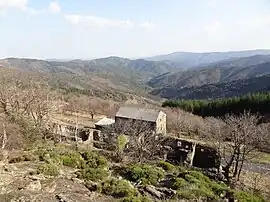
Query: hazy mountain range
x,y
217,90
223,73
189,59
229,73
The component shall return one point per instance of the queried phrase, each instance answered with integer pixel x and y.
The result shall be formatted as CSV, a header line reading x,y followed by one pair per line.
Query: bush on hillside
x,y
136,199
93,174
94,160
167,166
146,174
48,169
118,188
196,185
73,160
179,183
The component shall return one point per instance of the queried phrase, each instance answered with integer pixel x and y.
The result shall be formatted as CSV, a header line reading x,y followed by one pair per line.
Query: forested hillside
x,y
218,90
256,103
199,77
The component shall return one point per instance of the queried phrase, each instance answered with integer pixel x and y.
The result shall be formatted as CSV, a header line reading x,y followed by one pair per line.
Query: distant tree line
x,y
255,103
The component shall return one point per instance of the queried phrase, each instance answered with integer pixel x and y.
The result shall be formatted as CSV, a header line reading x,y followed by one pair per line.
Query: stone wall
x,y
192,153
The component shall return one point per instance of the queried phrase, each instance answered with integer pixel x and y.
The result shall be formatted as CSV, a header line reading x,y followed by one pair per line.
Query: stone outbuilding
x,y
155,118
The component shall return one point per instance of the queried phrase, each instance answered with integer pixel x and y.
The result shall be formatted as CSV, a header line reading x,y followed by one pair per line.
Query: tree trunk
x,y
76,134
236,163
4,140
227,169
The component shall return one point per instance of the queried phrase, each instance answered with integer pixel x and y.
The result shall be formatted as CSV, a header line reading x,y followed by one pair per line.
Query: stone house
x,y
154,118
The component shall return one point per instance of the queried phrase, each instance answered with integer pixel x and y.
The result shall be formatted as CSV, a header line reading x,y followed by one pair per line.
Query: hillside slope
x,y
121,68
190,59
111,77
224,71
219,90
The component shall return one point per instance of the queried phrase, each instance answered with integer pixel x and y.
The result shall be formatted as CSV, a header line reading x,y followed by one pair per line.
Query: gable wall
x,y
161,123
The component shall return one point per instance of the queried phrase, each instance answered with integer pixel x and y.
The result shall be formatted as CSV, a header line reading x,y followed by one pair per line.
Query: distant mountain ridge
x,y
224,71
193,59
217,90
141,70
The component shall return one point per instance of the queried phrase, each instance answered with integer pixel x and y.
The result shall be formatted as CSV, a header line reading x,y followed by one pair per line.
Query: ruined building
x,y
191,152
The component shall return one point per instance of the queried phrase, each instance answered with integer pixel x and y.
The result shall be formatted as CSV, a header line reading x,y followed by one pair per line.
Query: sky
x,y
87,29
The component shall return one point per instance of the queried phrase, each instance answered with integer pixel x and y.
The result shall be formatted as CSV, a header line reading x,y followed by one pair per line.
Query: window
x,y
179,144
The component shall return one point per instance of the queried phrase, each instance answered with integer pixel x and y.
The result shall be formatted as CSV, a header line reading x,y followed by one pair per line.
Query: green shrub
x,y
118,188
131,199
73,160
147,174
136,199
185,194
179,183
49,156
167,166
196,193
94,160
204,193
218,188
48,169
242,196
196,185
94,174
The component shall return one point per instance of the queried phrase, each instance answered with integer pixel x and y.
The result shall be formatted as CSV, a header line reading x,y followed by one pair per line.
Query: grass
x,y
242,196
262,158
48,169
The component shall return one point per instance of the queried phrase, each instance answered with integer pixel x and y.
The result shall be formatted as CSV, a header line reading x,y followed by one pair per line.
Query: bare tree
x,y
25,101
143,143
183,123
236,138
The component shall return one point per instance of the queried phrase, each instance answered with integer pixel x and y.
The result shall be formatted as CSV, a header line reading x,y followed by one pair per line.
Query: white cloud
x,y
148,25
7,4
22,5
94,21
54,7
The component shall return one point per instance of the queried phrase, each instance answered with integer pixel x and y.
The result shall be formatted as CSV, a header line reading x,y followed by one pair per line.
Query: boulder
x,y
78,181
34,186
153,191
167,191
91,186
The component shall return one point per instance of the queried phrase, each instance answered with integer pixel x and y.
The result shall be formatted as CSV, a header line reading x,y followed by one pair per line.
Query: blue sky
x,y
86,29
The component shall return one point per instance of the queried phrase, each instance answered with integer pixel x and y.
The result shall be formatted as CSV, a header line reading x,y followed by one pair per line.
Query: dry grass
x,y
257,182
262,158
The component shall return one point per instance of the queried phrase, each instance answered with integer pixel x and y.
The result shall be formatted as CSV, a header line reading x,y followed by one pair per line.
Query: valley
x,y
38,95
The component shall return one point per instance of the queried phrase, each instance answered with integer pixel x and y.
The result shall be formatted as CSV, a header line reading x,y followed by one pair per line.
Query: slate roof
x,y
138,113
